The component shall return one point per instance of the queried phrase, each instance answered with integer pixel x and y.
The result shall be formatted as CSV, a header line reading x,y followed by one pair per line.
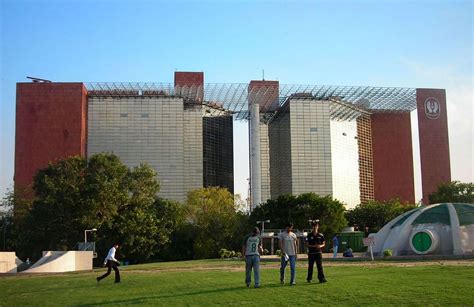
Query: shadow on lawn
x,y
144,299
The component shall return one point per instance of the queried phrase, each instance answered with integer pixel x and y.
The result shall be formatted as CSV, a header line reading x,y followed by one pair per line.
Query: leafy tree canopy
x,y
75,194
453,192
212,215
299,210
375,215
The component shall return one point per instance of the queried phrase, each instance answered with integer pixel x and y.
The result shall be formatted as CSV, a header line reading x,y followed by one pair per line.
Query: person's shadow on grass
x,y
145,299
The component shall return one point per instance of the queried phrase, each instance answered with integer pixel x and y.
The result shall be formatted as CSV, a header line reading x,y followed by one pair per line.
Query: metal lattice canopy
x,y
234,97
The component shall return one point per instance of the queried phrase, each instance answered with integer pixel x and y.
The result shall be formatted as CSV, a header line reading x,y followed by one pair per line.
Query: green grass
x,y
211,282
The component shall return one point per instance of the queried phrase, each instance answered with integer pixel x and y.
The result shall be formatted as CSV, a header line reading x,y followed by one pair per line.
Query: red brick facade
x,y
434,142
186,78
190,84
51,123
265,93
393,157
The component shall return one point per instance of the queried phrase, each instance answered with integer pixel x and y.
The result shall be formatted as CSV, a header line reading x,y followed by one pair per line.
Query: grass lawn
x,y
222,282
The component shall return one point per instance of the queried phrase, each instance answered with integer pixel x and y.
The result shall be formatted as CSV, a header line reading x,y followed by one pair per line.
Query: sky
x,y
424,44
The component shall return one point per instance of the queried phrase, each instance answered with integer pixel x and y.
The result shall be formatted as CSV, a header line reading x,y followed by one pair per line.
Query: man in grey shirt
x,y
288,246
251,250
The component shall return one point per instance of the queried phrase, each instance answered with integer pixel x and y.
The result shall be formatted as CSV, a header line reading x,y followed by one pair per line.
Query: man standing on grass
x,y
287,242
111,263
315,242
251,250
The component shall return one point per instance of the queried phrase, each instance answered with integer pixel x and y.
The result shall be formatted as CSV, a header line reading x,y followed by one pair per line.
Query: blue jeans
x,y
292,260
252,261
335,252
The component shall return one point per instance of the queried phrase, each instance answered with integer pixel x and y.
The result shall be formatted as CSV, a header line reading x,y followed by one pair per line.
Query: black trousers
x,y
111,265
319,264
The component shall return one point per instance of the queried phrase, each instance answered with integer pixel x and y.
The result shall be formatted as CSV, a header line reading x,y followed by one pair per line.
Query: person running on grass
x,y
251,250
288,246
111,263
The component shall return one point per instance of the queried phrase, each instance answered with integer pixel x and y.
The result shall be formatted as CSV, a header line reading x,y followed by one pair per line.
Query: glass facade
x,y
218,151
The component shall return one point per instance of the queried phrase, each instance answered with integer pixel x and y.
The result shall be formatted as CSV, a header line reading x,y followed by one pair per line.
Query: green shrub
x,y
387,253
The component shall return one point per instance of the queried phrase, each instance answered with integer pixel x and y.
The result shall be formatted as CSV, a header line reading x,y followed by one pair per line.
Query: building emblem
x,y
432,108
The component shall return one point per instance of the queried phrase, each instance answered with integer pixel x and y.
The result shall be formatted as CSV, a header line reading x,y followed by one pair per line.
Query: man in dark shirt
x,y
315,242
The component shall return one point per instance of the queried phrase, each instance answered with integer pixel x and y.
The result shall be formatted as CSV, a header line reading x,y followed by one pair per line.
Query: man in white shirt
x,y
111,263
288,246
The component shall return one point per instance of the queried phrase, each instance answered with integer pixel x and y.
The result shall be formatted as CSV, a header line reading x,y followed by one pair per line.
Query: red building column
x,y
434,141
189,84
393,157
51,124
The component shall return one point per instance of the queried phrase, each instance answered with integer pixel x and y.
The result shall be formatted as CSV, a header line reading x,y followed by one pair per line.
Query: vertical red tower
x,y
51,123
434,141
393,157
189,84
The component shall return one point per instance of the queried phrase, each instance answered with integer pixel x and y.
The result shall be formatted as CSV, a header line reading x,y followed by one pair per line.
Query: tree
x,y
211,215
75,194
136,223
453,192
299,210
6,221
375,215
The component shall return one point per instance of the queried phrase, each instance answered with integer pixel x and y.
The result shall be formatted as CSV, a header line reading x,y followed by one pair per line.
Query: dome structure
x,y
439,229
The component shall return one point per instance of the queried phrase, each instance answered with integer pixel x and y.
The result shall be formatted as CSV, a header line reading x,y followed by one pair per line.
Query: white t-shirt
x,y
111,255
288,243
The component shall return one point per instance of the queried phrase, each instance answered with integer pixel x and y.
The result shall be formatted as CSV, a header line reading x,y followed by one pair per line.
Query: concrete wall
x,y
311,163
345,162
265,162
8,262
62,261
155,130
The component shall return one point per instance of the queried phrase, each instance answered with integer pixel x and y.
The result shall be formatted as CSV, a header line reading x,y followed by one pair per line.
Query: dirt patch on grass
x,y
303,264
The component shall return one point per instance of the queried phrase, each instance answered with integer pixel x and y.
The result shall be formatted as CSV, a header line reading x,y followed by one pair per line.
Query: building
x,y
354,143
187,142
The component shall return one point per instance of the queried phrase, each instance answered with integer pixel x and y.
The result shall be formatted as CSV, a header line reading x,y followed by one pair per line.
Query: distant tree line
x,y
75,194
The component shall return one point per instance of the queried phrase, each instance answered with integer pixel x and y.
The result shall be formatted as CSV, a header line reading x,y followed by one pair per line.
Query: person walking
x,y
335,245
315,242
288,247
251,250
111,263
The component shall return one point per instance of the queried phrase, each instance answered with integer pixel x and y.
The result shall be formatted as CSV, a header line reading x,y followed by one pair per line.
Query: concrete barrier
x,y
62,261
8,262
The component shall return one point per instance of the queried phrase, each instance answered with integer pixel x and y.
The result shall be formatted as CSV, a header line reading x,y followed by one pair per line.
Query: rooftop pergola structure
x,y
235,97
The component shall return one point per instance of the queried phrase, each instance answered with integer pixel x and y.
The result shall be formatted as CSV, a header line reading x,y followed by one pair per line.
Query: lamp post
x,y
86,231
263,225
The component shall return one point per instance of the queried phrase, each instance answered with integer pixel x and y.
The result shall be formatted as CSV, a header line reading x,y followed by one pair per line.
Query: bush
x,y
229,254
387,253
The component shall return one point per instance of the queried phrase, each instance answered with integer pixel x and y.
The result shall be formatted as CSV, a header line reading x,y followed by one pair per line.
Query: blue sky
x,y
381,43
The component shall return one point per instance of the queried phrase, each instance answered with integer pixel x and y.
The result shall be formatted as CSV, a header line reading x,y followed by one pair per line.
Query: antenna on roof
x,y
263,74
38,80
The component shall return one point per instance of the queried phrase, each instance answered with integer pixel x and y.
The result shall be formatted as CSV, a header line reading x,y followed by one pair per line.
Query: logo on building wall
x,y
432,108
